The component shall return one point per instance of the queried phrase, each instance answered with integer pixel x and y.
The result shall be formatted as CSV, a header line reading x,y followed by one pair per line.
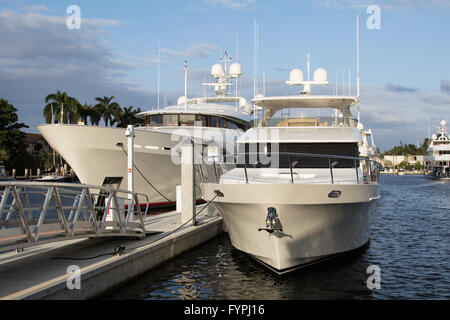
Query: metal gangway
x,y
34,213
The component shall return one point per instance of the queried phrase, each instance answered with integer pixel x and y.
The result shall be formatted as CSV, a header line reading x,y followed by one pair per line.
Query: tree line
x,y
61,108
12,138
409,149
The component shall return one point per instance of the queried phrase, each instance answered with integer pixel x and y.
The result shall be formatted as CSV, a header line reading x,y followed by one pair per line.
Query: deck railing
x,y
366,171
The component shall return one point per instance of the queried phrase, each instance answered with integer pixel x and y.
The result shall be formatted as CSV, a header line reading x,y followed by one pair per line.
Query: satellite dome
x,y
443,123
321,75
296,75
236,70
217,71
434,137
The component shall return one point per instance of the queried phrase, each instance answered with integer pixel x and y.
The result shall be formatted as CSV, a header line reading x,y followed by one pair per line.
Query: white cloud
x,y
232,4
228,4
36,8
198,50
398,88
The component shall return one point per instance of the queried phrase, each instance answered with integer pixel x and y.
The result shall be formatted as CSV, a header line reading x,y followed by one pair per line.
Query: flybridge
x,y
305,100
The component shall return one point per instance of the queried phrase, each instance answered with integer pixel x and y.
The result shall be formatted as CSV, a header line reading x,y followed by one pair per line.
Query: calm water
x,y
410,243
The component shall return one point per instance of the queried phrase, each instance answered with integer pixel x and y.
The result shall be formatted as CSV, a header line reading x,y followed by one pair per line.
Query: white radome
x,y
236,70
321,75
296,75
217,70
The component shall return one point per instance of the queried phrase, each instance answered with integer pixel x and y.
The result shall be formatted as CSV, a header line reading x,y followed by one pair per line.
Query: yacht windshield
x,y
307,118
184,120
305,155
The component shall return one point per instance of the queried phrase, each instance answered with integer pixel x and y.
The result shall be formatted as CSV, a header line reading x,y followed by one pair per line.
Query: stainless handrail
x,y
25,223
368,164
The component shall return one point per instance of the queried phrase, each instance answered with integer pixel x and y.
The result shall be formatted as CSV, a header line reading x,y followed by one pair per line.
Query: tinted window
x,y
203,119
215,122
338,149
171,120
187,120
153,121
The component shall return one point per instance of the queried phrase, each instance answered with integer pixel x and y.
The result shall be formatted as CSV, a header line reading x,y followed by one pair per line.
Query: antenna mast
x,y
264,83
159,68
349,81
309,66
236,83
358,86
185,84
255,66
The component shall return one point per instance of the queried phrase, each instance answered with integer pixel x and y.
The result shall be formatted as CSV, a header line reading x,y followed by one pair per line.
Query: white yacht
x,y
98,156
301,192
437,163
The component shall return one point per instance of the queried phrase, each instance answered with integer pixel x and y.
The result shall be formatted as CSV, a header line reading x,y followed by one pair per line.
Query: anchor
x,y
272,222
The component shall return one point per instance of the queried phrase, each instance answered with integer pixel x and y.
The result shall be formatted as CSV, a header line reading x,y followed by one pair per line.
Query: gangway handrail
x,y
79,211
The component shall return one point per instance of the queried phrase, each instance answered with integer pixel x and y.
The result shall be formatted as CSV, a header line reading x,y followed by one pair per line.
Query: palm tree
x,y
107,109
61,108
84,112
127,116
49,113
96,115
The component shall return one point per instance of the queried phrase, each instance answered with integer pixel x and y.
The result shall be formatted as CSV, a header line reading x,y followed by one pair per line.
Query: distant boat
x,y
437,164
51,178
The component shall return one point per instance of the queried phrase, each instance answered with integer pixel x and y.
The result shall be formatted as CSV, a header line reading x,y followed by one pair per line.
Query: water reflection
x,y
410,243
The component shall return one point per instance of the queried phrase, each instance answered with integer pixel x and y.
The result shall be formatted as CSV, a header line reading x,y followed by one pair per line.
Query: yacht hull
x,y
314,226
93,154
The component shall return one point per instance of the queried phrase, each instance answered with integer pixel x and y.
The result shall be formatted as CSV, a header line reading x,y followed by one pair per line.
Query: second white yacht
x,y
98,156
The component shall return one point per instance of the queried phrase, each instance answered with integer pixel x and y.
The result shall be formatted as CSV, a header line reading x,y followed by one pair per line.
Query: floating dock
x,y
41,272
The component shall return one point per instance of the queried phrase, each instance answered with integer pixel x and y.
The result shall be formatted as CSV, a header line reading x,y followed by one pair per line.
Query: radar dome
x,y
443,123
296,75
235,70
181,100
321,75
217,71
434,137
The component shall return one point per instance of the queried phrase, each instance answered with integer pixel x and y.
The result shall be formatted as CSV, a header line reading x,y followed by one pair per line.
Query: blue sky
x,y
405,68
